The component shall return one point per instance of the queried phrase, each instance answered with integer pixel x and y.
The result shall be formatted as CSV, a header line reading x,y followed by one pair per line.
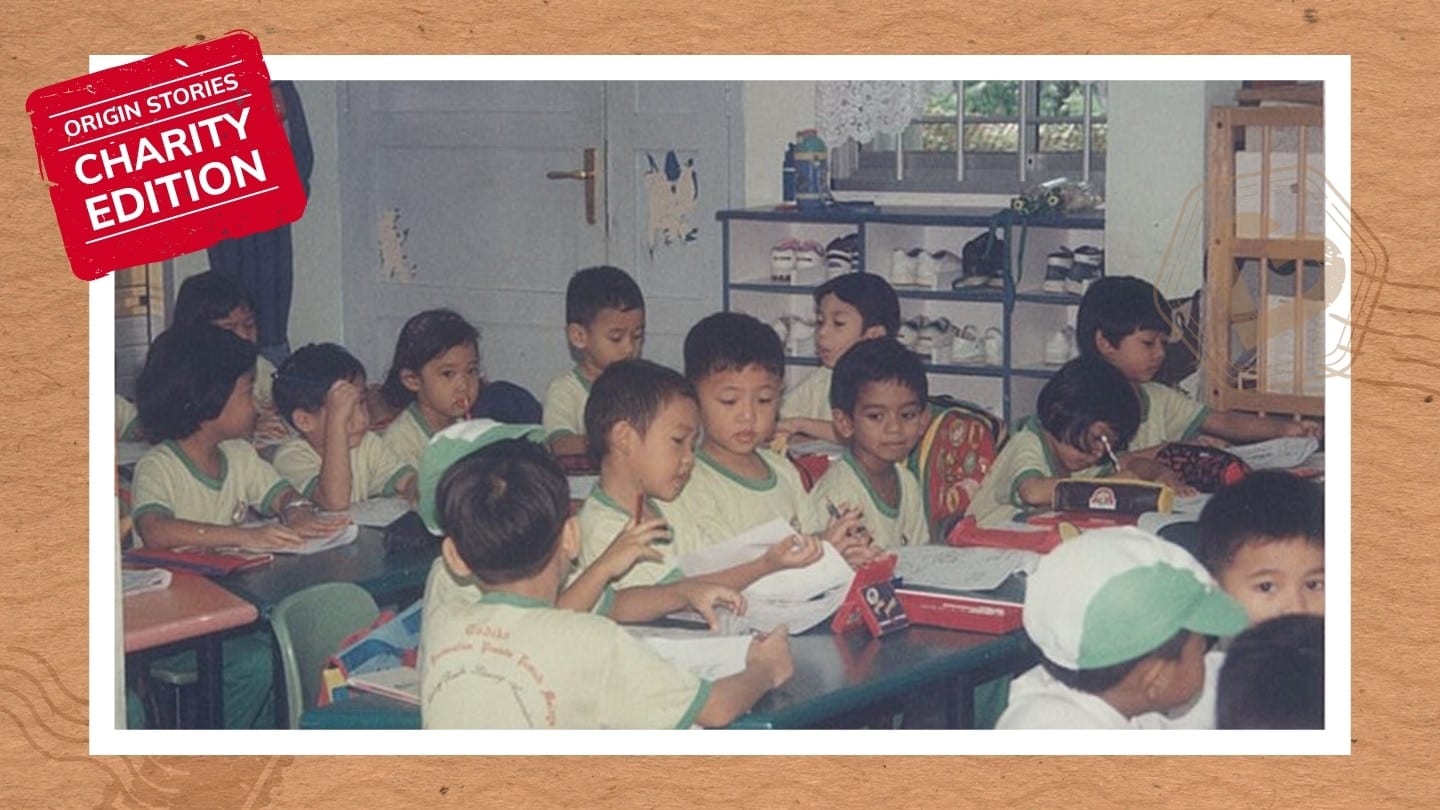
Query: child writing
x,y
435,377
194,487
604,323
1120,618
511,659
1126,322
736,364
848,309
218,299
320,389
641,422
1086,404
879,402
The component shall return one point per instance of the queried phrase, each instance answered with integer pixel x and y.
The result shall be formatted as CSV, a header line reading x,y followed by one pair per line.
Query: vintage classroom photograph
x,y
985,404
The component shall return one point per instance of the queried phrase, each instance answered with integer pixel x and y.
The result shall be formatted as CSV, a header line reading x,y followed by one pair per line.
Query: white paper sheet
x,y
398,683
705,654
379,512
144,580
961,569
315,545
1277,454
796,584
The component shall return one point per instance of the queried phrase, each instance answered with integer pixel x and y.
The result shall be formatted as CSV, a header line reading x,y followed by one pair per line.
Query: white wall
x,y
773,113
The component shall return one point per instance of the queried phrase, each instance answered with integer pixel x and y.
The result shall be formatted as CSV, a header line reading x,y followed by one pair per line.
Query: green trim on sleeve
x,y
267,503
393,485
147,508
606,602
1197,424
702,696
673,576
308,490
1015,483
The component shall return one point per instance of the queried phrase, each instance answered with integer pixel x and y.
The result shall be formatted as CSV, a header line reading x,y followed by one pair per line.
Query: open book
x,y
398,683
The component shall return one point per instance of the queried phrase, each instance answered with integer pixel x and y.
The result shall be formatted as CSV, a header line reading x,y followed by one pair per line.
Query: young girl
x,y
218,300
435,377
198,484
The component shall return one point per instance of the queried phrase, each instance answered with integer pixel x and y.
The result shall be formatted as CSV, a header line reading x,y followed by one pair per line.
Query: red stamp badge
x,y
165,156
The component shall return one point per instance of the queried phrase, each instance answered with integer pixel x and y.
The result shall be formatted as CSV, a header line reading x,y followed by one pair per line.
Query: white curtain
x,y
859,111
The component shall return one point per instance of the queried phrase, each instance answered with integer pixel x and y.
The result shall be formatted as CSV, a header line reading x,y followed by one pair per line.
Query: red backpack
x,y
954,456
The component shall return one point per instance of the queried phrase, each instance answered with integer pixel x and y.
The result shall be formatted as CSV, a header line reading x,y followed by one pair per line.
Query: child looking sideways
x,y
642,421
736,364
1125,321
1085,404
510,658
879,400
217,299
604,323
320,389
848,309
194,487
435,377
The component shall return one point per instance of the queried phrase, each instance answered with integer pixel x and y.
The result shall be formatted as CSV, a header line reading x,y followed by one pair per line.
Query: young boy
x,y
1120,617
1126,322
1274,676
736,364
604,323
848,309
511,659
1085,404
320,390
642,421
879,405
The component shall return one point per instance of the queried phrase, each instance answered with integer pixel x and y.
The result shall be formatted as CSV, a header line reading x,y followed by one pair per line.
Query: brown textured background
x,y
43,399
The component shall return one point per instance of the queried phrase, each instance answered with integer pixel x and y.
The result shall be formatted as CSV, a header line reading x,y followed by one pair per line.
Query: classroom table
x,y
835,676
192,610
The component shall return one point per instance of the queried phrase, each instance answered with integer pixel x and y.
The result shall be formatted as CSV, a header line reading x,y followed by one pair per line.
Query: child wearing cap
x,y
509,657
1121,618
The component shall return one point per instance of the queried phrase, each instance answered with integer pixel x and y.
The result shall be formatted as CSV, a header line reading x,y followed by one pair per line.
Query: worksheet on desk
x,y
796,584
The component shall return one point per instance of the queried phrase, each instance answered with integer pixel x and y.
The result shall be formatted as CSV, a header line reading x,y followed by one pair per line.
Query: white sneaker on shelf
x,y
931,267
966,348
1057,348
809,259
908,334
903,266
782,261
1057,270
994,347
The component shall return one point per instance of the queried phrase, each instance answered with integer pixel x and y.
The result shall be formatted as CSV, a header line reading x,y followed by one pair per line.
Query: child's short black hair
x,y
596,288
1263,507
1118,306
1084,391
1274,676
869,293
873,361
207,298
424,337
1095,681
504,507
731,341
189,375
630,391
304,379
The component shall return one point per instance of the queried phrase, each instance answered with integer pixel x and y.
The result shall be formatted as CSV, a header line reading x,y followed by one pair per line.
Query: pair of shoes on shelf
x,y
1060,348
797,333
918,267
842,255
930,338
792,259
1073,271
983,262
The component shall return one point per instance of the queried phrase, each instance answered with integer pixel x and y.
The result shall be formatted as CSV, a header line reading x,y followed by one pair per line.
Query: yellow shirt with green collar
x,y
167,482
890,527
810,398
407,436
722,504
602,519
1025,455
498,660
375,471
564,412
1166,415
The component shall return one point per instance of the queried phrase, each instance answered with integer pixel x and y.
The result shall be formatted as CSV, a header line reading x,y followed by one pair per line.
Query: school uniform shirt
x,y
169,483
1038,701
810,398
564,410
264,391
374,469
1200,713
722,504
1025,455
601,519
1166,415
890,527
127,420
407,436
498,660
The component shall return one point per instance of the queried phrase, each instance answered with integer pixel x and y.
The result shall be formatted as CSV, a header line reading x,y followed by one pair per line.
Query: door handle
x,y
588,174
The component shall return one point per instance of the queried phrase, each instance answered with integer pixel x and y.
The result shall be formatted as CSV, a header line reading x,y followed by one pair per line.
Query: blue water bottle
x,y
787,175
812,170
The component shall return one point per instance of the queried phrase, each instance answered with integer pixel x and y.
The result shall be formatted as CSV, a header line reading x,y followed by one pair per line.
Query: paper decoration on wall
x,y
394,264
672,193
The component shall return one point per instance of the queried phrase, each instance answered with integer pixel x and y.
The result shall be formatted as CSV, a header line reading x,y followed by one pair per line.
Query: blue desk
x,y
834,676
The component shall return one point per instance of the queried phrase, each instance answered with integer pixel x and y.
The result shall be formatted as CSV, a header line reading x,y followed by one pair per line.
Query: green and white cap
x,y
1113,595
454,443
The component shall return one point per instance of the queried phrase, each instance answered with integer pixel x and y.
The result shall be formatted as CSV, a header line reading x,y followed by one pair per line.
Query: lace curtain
x,y
859,111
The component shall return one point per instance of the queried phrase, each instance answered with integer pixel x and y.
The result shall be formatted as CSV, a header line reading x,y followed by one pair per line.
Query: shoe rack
x,y
1017,310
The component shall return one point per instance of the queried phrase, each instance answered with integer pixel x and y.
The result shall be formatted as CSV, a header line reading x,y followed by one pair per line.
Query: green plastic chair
x,y
309,626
